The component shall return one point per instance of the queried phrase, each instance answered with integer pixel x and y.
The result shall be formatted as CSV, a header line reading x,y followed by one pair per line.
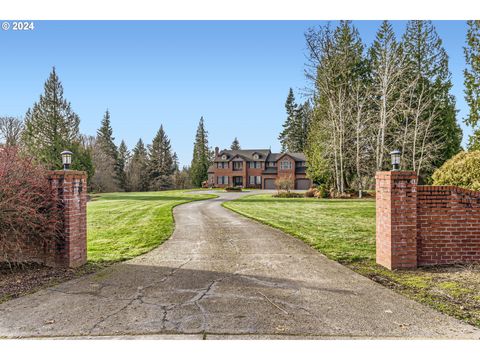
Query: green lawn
x,y
344,230
124,225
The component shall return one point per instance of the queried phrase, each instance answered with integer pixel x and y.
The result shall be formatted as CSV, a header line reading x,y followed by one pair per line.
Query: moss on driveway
x,y
344,230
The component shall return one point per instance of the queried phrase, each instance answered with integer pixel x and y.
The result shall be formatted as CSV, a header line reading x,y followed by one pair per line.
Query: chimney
x,y
216,151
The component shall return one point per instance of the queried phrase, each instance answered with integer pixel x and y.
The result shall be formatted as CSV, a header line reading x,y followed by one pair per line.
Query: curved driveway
x,y
222,275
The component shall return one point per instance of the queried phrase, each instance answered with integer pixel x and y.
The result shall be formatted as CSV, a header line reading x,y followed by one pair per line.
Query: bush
x,y
233,188
286,194
27,208
285,183
461,170
310,193
322,192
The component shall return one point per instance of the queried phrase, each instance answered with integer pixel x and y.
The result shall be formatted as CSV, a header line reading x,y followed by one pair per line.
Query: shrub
x,y
233,188
285,183
311,192
286,194
461,170
27,208
322,192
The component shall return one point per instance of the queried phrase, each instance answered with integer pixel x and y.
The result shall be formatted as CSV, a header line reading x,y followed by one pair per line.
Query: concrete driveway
x,y
224,276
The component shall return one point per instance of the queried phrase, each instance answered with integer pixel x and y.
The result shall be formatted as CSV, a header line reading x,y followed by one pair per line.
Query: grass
x,y
124,225
344,230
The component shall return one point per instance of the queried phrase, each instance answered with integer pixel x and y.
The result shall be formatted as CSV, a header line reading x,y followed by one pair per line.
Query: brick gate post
x,y
396,219
71,246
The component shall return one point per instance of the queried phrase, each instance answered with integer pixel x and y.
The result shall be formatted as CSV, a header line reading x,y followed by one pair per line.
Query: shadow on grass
x,y
149,198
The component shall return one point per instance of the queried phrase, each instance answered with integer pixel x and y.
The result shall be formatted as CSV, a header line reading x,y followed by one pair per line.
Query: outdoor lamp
x,y
395,154
66,159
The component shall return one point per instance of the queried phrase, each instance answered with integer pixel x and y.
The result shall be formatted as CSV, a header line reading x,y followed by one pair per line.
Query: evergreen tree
x,y
175,165
51,126
433,106
472,81
137,168
160,161
122,161
235,144
289,124
202,156
108,175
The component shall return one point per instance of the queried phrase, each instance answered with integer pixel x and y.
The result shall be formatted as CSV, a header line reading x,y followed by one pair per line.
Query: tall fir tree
x,y
202,156
175,165
105,137
289,124
433,104
137,168
51,126
472,81
235,144
160,161
122,161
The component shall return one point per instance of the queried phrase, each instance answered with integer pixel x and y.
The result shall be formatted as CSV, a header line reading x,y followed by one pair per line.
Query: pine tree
x,y
175,165
472,81
108,175
202,156
433,107
288,125
51,126
137,168
122,161
235,144
160,161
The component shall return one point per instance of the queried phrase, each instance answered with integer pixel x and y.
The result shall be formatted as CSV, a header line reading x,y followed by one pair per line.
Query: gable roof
x,y
244,154
295,156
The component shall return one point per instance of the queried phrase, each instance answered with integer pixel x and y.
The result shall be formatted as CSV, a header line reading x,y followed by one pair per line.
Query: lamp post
x,y
395,154
66,159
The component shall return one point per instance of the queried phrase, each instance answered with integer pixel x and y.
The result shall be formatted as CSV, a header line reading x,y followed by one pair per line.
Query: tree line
x,y
363,102
51,126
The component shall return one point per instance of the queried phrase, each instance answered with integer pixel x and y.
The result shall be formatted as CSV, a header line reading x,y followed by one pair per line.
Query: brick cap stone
x,y
67,173
395,174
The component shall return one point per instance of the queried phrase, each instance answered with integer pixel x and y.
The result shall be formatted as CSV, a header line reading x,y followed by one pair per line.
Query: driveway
x,y
222,276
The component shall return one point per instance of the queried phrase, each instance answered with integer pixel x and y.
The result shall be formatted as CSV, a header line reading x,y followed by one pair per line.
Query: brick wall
x,y
425,225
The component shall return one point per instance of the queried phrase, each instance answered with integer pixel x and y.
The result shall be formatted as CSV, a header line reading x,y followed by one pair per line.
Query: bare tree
x,y
10,130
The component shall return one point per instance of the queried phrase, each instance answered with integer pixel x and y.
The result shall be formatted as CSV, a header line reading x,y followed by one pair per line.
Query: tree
x,y
181,179
107,176
389,91
432,133
235,144
51,126
160,162
202,156
288,125
122,161
10,130
472,81
137,168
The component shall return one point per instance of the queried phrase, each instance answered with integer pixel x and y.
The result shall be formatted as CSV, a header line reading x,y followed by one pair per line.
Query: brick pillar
x,y
71,247
396,243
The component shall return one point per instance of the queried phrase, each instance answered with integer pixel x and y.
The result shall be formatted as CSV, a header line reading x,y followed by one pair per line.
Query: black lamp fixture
x,y
66,159
395,154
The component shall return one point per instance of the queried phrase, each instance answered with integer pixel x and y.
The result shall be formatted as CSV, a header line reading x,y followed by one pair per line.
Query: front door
x,y
238,181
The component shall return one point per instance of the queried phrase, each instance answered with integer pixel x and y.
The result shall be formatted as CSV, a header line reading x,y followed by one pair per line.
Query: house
x,y
257,169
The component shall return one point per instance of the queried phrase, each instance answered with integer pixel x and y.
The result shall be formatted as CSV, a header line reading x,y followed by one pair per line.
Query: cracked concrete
x,y
224,276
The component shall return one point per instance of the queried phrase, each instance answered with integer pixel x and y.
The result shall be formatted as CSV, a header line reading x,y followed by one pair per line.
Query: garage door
x,y
302,184
269,184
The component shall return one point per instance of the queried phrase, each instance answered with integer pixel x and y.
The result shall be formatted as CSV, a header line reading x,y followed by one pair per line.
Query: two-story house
x,y
257,169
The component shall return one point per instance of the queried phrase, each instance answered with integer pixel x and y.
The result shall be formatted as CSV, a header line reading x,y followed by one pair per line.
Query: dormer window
x,y
255,156
224,157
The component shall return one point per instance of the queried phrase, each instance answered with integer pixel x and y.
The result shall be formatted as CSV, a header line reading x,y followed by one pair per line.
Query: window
x,y
255,165
224,157
255,156
272,164
251,164
237,165
222,165
300,164
255,180
222,180
285,165
258,165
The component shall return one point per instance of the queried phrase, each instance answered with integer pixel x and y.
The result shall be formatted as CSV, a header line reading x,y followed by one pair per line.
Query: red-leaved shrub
x,y
29,216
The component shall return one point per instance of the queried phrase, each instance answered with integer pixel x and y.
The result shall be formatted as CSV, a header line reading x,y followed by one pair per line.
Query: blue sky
x,y
234,74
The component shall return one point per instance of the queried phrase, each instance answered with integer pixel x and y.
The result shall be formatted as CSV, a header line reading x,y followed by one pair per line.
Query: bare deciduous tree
x,y
10,130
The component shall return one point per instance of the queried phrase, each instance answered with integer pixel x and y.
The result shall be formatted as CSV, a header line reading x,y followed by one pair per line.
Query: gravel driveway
x,y
223,276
